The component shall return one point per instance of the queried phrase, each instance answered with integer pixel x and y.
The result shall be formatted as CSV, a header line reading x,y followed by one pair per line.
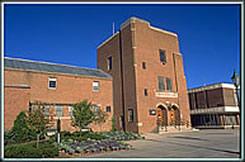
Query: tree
x,y
82,115
37,121
21,131
113,121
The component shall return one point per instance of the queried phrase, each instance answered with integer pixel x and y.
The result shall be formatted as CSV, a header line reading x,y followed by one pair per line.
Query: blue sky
x,y
209,35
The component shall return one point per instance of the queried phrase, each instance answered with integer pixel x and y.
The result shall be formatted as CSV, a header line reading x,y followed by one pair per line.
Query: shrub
x,y
45,150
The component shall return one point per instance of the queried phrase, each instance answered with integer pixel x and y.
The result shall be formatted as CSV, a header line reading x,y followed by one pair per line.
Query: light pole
x,y
236,81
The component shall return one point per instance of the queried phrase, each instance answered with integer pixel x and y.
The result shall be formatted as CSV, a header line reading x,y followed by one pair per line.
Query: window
x,y
59,111
145,92
96,86
130,115
70,110
109,63
161,85
46,110
108,108
169,84
163,58
52,83
95,108
144,65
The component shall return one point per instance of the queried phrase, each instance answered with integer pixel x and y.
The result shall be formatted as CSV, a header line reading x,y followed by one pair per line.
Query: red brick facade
x,y
135,86
23,87
148,89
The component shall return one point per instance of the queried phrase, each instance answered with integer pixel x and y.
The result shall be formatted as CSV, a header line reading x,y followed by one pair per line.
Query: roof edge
x,y
57,64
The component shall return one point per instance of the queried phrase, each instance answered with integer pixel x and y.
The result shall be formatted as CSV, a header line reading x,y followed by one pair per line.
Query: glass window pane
x,y
161,86
96,86
59,111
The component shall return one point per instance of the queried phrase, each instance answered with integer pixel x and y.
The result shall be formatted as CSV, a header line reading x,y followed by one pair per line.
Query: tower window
x,y
163,58
109,63
130,115
144,65
169,84
145,92
161,85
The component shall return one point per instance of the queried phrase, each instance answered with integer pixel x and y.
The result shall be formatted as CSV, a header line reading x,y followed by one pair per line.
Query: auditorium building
x,y
139,80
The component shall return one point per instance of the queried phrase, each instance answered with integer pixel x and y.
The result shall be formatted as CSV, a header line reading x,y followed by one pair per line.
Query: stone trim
x,y
166,94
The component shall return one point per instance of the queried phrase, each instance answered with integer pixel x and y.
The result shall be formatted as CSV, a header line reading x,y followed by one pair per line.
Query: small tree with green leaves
x,y
21,131
37,121
113,122
82,115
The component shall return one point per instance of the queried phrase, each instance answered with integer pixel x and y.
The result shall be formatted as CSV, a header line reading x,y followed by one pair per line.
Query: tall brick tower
x,y
149,85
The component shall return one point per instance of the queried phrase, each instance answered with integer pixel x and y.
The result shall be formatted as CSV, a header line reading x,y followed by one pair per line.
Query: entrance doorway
x,y
162,116
174,114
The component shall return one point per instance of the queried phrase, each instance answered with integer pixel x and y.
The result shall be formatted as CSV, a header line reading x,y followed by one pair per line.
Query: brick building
x,y
149,85
214,106
57,86
147,93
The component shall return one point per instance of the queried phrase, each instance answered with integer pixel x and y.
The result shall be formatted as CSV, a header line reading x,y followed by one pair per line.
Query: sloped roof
x,y
29,65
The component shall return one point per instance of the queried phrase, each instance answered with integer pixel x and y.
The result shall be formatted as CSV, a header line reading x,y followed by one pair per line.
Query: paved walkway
x,y
213,143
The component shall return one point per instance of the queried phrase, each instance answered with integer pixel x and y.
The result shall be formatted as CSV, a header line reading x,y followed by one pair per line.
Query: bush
x,y
81,136
45,150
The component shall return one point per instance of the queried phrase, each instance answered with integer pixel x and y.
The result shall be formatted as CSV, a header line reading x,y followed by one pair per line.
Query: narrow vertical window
x,y
130,115
70,110
163,58
145,92
161,85
169,84
96,86
143,65
59,111
109,63
52,83
46,110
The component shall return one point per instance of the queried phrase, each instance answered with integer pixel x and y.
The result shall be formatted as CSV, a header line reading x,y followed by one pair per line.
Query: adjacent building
x,y
28,84
214,106
149,84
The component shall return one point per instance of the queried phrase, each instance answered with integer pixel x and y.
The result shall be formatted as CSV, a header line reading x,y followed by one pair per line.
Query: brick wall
x,y
70,89
141,43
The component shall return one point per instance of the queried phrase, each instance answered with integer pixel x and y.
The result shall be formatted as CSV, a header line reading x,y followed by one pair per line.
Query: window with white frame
x,y
96,86
52,83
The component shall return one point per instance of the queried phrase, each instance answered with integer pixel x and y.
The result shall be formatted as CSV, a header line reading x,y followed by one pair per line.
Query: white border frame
x,y
52,79
125,159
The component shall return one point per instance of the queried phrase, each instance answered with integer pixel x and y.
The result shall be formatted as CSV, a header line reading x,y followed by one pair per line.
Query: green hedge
x,y
45,150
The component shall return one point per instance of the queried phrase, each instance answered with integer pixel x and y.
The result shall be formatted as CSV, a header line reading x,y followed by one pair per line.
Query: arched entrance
x,y
174,114
162,116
